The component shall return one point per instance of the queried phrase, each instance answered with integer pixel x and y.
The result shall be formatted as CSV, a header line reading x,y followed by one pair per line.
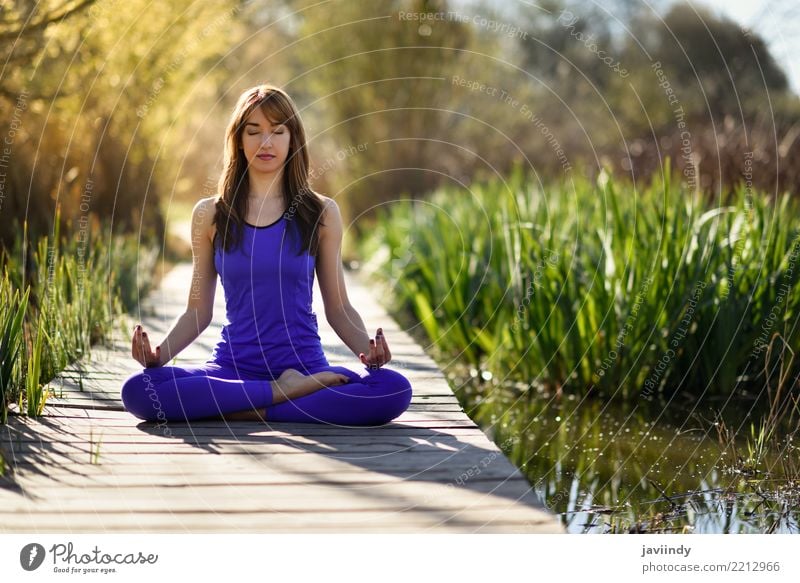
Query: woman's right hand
x,y
141,349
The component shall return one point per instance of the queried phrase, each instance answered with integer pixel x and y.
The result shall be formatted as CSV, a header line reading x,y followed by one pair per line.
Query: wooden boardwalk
x,y
88,466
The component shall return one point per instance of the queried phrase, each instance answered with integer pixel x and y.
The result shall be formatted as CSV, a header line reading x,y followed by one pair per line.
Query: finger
x,y
379,346
365,360
380,357
386,354
374,357
138,348
146,345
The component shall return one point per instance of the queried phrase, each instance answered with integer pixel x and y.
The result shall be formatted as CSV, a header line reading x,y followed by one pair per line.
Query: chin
x,y
266,166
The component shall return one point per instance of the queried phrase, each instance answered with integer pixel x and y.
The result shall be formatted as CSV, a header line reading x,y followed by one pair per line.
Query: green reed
x,y
597,287
79,286
12,311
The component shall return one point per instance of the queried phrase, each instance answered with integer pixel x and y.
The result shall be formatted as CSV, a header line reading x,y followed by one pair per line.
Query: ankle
x,y
278,394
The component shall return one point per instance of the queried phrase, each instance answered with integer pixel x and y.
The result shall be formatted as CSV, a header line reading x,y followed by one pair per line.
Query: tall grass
x,y
778,428
12,311
79,287
597,287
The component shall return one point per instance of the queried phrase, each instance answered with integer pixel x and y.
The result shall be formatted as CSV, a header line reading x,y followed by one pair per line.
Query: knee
x,y
136,395
396,391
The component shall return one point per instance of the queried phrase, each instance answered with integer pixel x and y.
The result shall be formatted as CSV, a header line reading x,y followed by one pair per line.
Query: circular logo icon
x,y
31,556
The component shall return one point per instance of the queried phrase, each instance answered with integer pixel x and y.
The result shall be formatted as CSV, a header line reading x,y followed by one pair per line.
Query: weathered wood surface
x,y
89,466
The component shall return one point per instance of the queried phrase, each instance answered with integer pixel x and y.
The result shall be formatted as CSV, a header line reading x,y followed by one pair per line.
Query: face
x,y
261,137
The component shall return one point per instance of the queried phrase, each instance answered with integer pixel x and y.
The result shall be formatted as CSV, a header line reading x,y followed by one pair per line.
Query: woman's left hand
x,y
378,352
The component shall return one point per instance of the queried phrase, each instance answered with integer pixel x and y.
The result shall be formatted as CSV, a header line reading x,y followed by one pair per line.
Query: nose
x,y
267,139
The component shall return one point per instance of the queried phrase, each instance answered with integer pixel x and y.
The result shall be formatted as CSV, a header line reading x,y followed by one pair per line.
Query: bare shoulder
x,y
331,215
203,216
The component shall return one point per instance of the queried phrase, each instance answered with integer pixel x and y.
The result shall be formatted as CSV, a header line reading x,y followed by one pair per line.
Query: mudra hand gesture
x,y
378,352
141,351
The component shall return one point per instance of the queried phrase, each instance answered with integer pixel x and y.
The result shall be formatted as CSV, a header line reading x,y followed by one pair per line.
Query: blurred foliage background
x,y
117,110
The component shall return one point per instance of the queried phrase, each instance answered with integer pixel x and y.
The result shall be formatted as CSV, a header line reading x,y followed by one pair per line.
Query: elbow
x,y
334,314
205,321
200,318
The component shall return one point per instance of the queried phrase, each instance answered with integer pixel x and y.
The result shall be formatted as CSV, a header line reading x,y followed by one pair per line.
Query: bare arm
x,y
349,326
200,305
341,315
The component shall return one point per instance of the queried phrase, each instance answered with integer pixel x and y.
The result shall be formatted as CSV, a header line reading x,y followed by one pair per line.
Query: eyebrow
x,y
250,123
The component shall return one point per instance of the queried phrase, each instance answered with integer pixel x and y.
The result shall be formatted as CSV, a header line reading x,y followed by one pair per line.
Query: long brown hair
x,y
303,205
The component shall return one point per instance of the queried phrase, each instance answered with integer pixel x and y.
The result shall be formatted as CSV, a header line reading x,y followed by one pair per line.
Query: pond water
x,y
645,467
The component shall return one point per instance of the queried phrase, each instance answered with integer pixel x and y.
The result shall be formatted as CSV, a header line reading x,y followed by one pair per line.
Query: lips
x,y
266,156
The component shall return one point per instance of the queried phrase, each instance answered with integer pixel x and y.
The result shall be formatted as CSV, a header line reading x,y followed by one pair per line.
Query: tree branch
x,y
21,28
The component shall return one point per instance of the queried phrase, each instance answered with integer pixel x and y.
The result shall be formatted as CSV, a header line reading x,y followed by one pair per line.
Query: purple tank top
x,y
270,324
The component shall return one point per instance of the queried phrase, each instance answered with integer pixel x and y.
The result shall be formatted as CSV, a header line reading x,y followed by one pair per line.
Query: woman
x,y
265,234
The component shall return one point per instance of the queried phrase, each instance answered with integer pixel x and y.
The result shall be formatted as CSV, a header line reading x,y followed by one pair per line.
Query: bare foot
x,y
252,415
292,383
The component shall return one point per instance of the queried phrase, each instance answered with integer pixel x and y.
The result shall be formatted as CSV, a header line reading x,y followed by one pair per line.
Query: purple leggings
x,y
185,393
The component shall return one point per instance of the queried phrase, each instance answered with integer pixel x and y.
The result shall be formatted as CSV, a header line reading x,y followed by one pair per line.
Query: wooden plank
x,y
264,438
236,431
65,411
503,520
153,427
372,458
330,446
420,497
78,475
393,464
167,475
90,402
86,428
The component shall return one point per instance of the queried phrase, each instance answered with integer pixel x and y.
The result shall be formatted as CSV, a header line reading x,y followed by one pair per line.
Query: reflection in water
x,y
614,467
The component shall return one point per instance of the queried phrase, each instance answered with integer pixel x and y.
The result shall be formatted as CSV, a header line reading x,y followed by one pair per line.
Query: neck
x,y
265,185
